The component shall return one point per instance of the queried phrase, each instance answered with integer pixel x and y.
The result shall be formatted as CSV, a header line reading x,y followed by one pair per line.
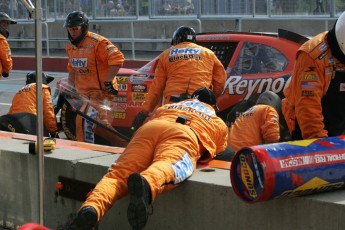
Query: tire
x,y
68,121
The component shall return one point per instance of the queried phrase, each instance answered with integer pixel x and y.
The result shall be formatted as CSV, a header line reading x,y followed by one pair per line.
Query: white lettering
x,y
79,62
237,85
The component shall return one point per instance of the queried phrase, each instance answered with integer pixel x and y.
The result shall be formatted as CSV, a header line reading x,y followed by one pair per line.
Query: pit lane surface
x,y
10,86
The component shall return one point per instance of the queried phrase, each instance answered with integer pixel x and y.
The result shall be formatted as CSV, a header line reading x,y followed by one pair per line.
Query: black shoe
x,y
86,219
140,198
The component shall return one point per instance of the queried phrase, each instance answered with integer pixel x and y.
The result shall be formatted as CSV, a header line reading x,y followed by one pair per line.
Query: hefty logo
x,y
79,62
238,86
185,51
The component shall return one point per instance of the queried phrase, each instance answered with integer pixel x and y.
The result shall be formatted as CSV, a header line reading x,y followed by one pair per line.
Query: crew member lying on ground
x,y
257,125
161,155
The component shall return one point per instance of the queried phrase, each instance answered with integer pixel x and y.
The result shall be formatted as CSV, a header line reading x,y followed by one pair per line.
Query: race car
x,y
254,62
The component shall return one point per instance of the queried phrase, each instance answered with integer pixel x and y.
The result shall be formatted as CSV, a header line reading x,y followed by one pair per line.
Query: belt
x,y
178,97
180,120
186,121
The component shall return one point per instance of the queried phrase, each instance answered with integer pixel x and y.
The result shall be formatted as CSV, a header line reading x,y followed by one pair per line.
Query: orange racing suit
x,y
163,151
184,68
89,63
25,102
316,92
257,125
5,56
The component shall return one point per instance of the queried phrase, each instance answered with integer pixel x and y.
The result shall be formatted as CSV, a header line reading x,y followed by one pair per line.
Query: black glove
x,y
138,120
85,220
109,87
5,74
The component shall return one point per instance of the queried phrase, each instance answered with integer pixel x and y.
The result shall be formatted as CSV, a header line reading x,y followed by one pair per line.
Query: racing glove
x,y
138,120
85,220
5,74
109,87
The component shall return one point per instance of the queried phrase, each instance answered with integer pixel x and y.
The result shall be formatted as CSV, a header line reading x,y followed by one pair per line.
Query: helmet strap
x,y
4,32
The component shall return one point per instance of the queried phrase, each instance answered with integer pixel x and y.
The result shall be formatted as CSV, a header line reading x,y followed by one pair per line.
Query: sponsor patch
x,y
138,96
323,55
183,168
120,99
79,62
122,87
322,47
187,50
139,88
89,126
119,116
119,107
308,84
134,104
307,93
309,77
342,87
137,79
121,80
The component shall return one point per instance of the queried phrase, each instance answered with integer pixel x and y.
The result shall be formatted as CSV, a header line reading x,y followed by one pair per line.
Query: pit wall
x,y
204,201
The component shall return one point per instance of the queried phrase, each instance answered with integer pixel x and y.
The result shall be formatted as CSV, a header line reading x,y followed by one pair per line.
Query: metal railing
x,y
240,11
133,9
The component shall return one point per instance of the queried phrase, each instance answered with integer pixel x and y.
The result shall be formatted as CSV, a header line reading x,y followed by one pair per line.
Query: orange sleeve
x,y
222,136
109,53
308,95
5,56
270,125
48,111
155,93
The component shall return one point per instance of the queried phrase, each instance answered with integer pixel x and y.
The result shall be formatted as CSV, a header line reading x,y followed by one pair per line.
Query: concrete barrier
x,y
204,201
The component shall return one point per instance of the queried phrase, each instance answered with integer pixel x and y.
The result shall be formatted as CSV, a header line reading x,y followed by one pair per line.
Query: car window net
x,y
223,50
257,58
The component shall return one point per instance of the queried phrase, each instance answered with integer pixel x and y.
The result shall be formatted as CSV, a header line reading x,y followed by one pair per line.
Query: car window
x,y
223,50
257,58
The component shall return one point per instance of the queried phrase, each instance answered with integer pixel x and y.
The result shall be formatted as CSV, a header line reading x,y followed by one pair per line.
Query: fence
x,y
131,9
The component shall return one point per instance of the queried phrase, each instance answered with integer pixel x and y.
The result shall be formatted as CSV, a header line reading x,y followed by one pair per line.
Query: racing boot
x,y
140,199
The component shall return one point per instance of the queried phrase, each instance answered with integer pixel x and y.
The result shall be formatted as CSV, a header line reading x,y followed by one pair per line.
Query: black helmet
x,y
5,17
77,18
31,78
183,34
270,98
207,96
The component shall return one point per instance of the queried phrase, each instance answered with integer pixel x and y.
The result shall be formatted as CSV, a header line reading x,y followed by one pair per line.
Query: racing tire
x,y
68,120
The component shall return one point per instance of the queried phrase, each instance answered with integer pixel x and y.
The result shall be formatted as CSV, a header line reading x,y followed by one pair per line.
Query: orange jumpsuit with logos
x,y
25,102
163,151
314,98
184,68
89,63
5,56
257,125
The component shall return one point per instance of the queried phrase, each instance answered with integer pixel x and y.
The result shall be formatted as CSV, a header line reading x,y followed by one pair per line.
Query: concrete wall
x,y
205,201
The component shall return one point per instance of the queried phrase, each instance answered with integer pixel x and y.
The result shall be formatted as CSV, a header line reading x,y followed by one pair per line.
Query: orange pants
x,y
163,152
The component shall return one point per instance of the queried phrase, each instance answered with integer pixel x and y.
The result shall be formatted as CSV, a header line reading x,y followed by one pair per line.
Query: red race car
x,y
254,62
